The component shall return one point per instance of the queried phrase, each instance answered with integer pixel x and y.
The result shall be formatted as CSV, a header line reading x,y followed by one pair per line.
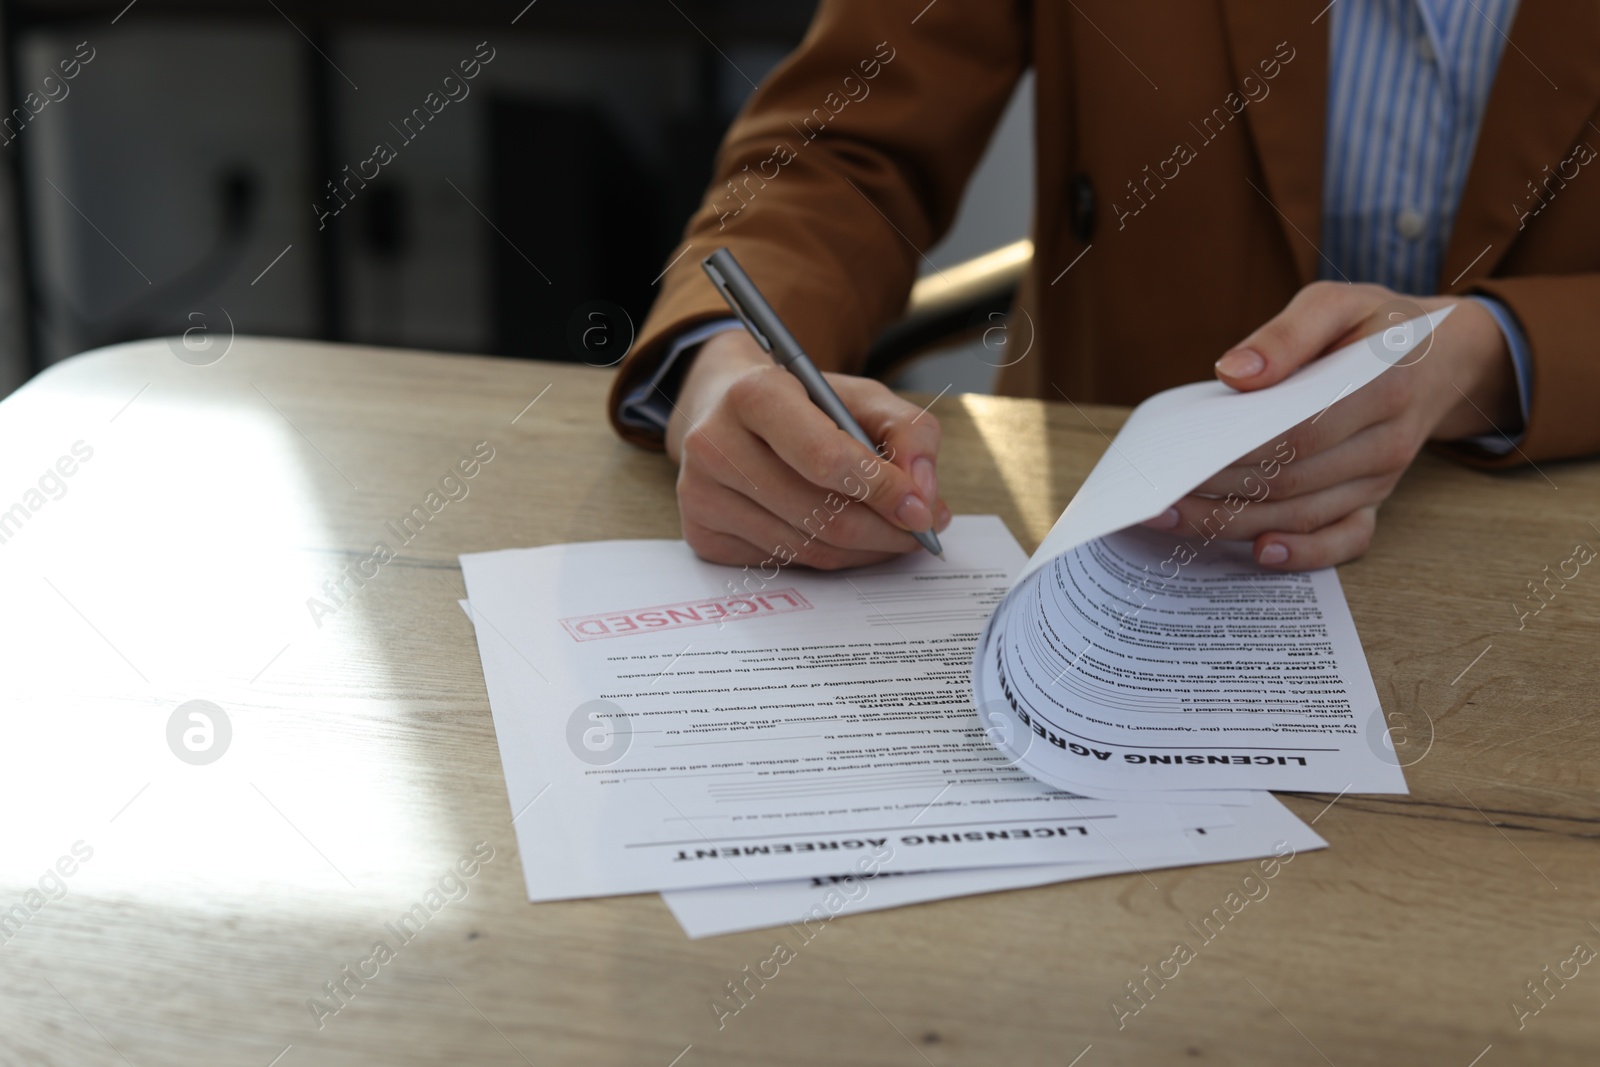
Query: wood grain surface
x,y
207,904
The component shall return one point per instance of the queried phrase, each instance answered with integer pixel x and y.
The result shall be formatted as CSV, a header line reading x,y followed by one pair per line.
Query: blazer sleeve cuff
x,y
1503,441
647,406
1559,318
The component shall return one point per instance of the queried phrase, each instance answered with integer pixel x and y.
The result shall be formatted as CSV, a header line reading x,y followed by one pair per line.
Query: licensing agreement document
x,y
665,723
1264,829
1123,663
1112,670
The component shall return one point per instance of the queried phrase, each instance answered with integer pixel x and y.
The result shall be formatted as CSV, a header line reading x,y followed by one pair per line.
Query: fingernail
x,y
1164,521
913,514
922,474
944,518
1274,553
1242,363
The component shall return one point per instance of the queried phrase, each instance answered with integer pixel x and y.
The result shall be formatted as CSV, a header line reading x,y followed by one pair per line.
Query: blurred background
x,y
209,166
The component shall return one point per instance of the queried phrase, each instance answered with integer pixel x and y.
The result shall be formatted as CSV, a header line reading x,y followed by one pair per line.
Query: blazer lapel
x,y
1286,126
1546,87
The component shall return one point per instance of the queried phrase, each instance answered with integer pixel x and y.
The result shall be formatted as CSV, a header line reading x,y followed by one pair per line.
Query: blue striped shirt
x,y
1408,81
1407,84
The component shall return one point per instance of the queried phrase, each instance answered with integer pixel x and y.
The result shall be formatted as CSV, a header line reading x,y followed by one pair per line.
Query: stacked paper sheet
x,y
759,744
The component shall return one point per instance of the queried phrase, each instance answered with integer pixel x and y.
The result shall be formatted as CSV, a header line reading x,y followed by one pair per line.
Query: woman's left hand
x,y
1331,473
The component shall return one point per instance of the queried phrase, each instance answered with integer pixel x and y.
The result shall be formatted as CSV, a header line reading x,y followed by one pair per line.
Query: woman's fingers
x,y
775,408
719,547
763,468
723,511
1239,519
1336,543
1318,318
808,512
1379,449
910,435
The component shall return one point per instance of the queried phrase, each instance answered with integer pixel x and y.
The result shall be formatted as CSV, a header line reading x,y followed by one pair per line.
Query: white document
x,y
1265,829
1198,803
1104,675
667,723
1121,663
1177,439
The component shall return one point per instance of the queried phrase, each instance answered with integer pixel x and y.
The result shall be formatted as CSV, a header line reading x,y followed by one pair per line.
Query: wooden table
x,y
220,897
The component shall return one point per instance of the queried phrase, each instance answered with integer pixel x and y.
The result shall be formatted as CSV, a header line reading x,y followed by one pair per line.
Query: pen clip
x,y
733,302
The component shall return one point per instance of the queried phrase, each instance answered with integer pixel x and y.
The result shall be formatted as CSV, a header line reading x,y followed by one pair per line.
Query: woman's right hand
x,y
765,477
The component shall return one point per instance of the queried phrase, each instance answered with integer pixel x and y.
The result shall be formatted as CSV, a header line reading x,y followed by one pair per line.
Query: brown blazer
x,y
853,156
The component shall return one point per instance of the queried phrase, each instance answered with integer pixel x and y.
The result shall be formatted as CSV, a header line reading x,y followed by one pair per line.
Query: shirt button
x,y
1425,48
1410,224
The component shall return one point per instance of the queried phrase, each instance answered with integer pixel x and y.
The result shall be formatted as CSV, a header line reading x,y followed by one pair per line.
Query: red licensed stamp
x,y
688,613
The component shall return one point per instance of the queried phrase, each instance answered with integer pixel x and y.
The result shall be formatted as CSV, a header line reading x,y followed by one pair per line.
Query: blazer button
x,y
1080,197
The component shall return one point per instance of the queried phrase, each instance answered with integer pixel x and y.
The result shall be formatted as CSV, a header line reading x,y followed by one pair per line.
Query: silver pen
x,y
776,340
